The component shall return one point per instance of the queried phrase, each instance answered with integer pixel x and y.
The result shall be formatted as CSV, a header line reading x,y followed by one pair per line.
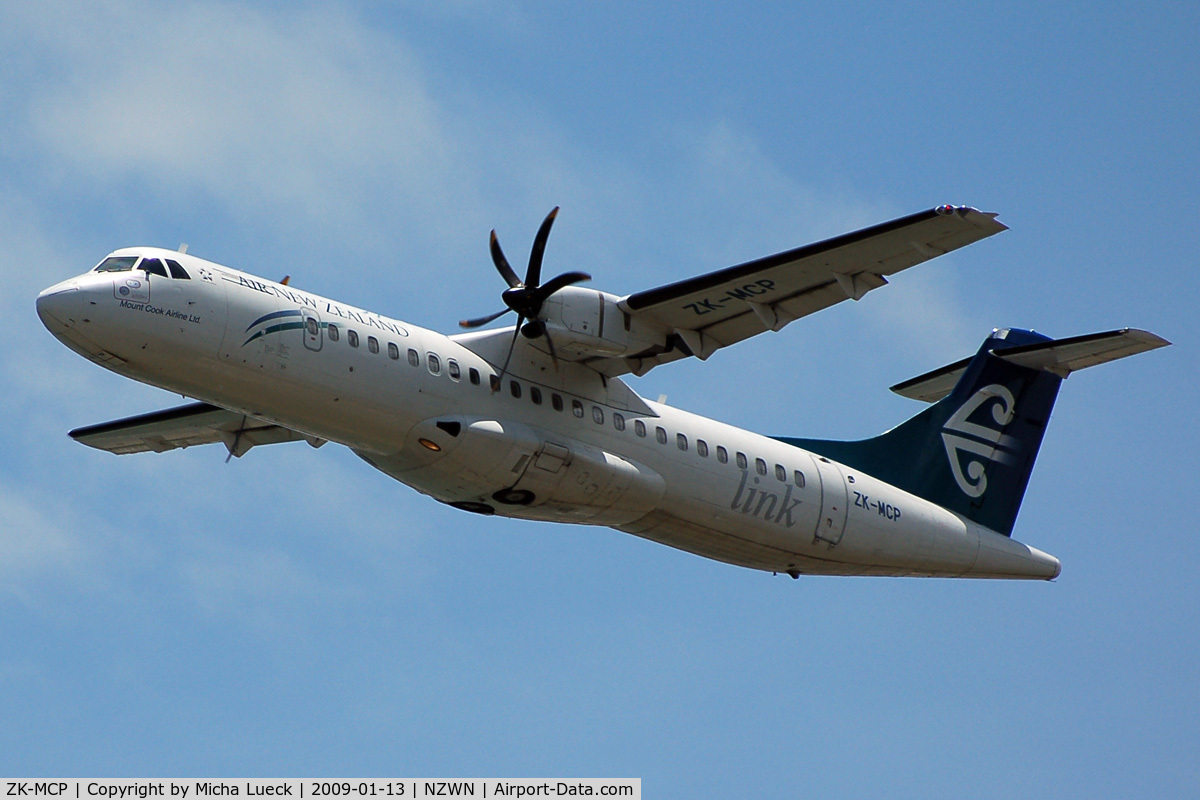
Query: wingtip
x,y
1152,340
981,219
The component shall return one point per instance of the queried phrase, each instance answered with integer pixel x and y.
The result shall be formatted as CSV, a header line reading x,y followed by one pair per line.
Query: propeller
x,y
525,297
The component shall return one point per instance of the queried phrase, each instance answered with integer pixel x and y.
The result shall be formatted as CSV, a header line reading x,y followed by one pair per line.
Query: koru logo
x,y
961,436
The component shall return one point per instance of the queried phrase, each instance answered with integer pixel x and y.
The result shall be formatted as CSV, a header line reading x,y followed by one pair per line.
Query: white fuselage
x,y
557,443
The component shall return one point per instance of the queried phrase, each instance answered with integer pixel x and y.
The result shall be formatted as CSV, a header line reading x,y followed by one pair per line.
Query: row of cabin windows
x,y
702,450
434,362
640,430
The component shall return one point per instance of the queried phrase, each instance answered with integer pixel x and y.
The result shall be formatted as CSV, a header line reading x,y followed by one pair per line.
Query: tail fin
x,y
972,451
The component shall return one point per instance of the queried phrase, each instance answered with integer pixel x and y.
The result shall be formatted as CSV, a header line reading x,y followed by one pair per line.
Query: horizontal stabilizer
x,y
933,385
1060,357
1064,356
185,426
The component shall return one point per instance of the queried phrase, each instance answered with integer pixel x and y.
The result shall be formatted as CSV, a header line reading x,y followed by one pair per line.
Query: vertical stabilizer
x,y
973,450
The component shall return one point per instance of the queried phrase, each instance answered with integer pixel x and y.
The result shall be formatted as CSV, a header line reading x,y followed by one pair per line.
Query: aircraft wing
x,y
700,315
185,426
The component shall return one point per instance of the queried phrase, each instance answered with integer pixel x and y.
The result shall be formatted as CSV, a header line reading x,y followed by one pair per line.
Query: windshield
x,y
117,264
153,265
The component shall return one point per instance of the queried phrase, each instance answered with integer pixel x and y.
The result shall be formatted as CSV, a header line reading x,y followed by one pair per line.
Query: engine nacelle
x,y
587,322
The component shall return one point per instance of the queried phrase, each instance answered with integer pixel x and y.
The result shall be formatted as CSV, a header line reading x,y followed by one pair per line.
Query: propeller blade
x,y
526,298
502,265
537,328
550,344
475,323
558,282
533,275
511,346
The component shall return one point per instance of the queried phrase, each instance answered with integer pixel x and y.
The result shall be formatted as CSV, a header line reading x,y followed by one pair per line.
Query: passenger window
x,y
414,358
598,415
741,460
310,325
393,351
681,440
722,455
760,466
639,428
514,388
494,382
452,368
556,401
661,435
334,335
372,342
117,264
618,421
798,477
780,473
535,394
435,364
177,271
702,448
352,337
577,408
474,375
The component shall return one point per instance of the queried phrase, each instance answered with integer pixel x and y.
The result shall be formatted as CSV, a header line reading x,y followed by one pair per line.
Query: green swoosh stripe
x,y
287,326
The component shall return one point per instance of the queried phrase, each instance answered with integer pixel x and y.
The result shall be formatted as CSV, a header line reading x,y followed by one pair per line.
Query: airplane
x,y
535,421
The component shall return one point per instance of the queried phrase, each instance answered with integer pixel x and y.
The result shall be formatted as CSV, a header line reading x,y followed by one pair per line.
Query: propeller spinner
x,y
526,297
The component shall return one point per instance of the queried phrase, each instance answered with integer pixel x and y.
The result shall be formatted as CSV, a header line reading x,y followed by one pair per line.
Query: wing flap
x,y
184,426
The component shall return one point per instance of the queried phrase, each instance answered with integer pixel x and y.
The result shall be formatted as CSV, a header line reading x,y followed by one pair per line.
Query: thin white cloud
x,y
31,543
259,587
298,112
922,310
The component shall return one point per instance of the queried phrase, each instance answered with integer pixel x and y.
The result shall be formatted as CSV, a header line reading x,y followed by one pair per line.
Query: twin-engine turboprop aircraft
x,y
534,421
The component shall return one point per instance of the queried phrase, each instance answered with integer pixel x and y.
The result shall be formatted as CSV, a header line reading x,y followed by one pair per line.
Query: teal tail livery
x,y
973,450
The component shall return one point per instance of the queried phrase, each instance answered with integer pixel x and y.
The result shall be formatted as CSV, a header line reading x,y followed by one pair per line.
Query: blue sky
x,y
295,613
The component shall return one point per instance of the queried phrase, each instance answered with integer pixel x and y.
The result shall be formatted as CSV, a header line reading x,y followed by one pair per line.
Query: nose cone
x,y
58,307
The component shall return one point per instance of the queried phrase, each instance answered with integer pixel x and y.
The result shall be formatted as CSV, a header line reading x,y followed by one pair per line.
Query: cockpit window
x,y
177,271
153,266
117,264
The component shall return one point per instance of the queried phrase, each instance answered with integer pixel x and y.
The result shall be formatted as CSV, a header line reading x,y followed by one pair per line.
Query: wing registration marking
x,y
744,293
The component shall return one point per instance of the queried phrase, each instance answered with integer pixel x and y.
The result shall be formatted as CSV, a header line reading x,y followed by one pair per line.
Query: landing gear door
x,y
313,333
832,523
544,474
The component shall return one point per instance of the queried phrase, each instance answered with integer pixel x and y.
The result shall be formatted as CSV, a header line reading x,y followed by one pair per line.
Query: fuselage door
x,y
832,523
313,334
